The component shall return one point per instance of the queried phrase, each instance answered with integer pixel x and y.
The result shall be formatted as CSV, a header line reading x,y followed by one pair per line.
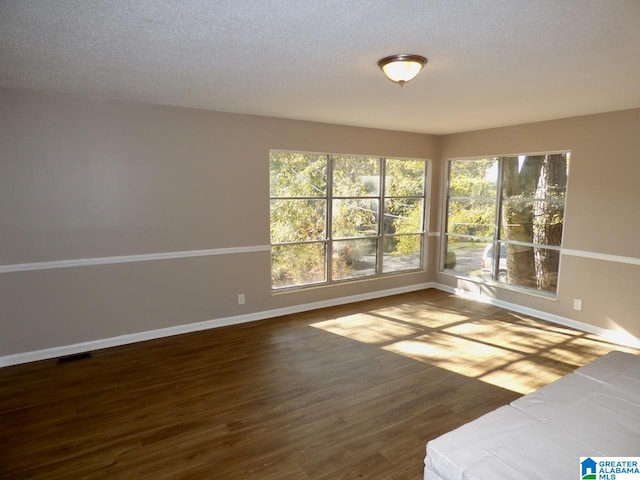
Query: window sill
x,y
503,286
351,281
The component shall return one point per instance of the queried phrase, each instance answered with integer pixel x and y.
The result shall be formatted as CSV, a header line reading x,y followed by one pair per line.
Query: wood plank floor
x,y
348,392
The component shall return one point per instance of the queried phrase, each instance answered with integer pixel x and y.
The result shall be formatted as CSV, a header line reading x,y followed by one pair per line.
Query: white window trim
x,y
442,258
426,198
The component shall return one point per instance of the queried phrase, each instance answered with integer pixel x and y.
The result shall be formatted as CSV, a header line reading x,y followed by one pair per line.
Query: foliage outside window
x,y
340,217
505,217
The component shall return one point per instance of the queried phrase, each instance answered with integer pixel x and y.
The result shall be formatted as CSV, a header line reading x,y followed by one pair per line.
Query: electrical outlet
x,y
241,299
577,304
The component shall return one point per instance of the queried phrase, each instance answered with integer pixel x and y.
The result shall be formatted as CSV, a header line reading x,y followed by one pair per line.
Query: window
x,y
505,217
343,217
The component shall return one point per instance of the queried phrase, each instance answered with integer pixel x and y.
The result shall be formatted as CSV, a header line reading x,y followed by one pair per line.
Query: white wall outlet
x,y
241,299
577,304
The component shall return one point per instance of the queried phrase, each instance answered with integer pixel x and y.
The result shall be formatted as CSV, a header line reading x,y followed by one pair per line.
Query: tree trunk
x,y
516,225
548,219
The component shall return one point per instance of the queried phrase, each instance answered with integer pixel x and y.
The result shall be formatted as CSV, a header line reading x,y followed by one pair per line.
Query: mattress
x,y
594,411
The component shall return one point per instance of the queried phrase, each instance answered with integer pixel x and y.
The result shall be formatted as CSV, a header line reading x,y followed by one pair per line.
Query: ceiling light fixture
x,y
402,68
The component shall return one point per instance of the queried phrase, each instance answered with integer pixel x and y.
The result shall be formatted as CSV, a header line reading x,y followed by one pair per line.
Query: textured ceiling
x,y
491,62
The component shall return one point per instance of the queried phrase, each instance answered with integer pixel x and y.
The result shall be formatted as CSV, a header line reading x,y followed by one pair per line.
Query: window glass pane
x,y
531,267
298,175
520,175
301,229
537,222
473,178
531,211
472,217
297,264
354,258
403,215
297,220
356,176
355,218
404,178
468,256
402,252
535,176
488,260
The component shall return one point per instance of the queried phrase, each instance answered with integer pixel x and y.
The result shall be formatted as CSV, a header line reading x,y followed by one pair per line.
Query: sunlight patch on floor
x,y
455,354
423,318
510,351
507,335
582,350
491,364
524,376
367,328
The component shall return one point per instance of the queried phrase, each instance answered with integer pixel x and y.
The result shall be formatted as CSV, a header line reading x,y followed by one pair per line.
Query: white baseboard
x,y
614,336
82,347
55,352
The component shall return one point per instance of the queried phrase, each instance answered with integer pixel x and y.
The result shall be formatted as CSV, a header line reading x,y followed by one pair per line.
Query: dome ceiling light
x,y
402,68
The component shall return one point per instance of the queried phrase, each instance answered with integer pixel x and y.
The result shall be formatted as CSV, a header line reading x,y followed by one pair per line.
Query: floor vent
x,y
74,358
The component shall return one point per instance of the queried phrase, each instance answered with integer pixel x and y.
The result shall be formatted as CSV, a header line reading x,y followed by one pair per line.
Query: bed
x,y
594,411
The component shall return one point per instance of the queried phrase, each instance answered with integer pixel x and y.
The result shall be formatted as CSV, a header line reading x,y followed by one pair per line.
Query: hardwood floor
x,y
348,392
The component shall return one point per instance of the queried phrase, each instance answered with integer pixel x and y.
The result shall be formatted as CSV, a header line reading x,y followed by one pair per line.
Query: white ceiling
x,y
491,62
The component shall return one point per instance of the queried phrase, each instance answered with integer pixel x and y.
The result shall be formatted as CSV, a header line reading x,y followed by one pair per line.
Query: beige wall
x,y
84,178
602,212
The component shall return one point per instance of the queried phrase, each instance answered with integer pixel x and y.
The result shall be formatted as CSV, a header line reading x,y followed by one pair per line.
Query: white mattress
x,y
594,411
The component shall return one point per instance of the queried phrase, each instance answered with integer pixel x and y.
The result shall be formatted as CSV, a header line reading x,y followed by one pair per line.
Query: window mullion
x,y
381,187
498,220
426,216
444,246
329,221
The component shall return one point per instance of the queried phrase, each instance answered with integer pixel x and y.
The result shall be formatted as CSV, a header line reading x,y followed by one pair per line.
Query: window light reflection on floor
x,y
368,328
506,350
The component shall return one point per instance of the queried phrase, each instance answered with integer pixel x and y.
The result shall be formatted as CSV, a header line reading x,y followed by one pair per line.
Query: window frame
x,y
379,237
496,239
